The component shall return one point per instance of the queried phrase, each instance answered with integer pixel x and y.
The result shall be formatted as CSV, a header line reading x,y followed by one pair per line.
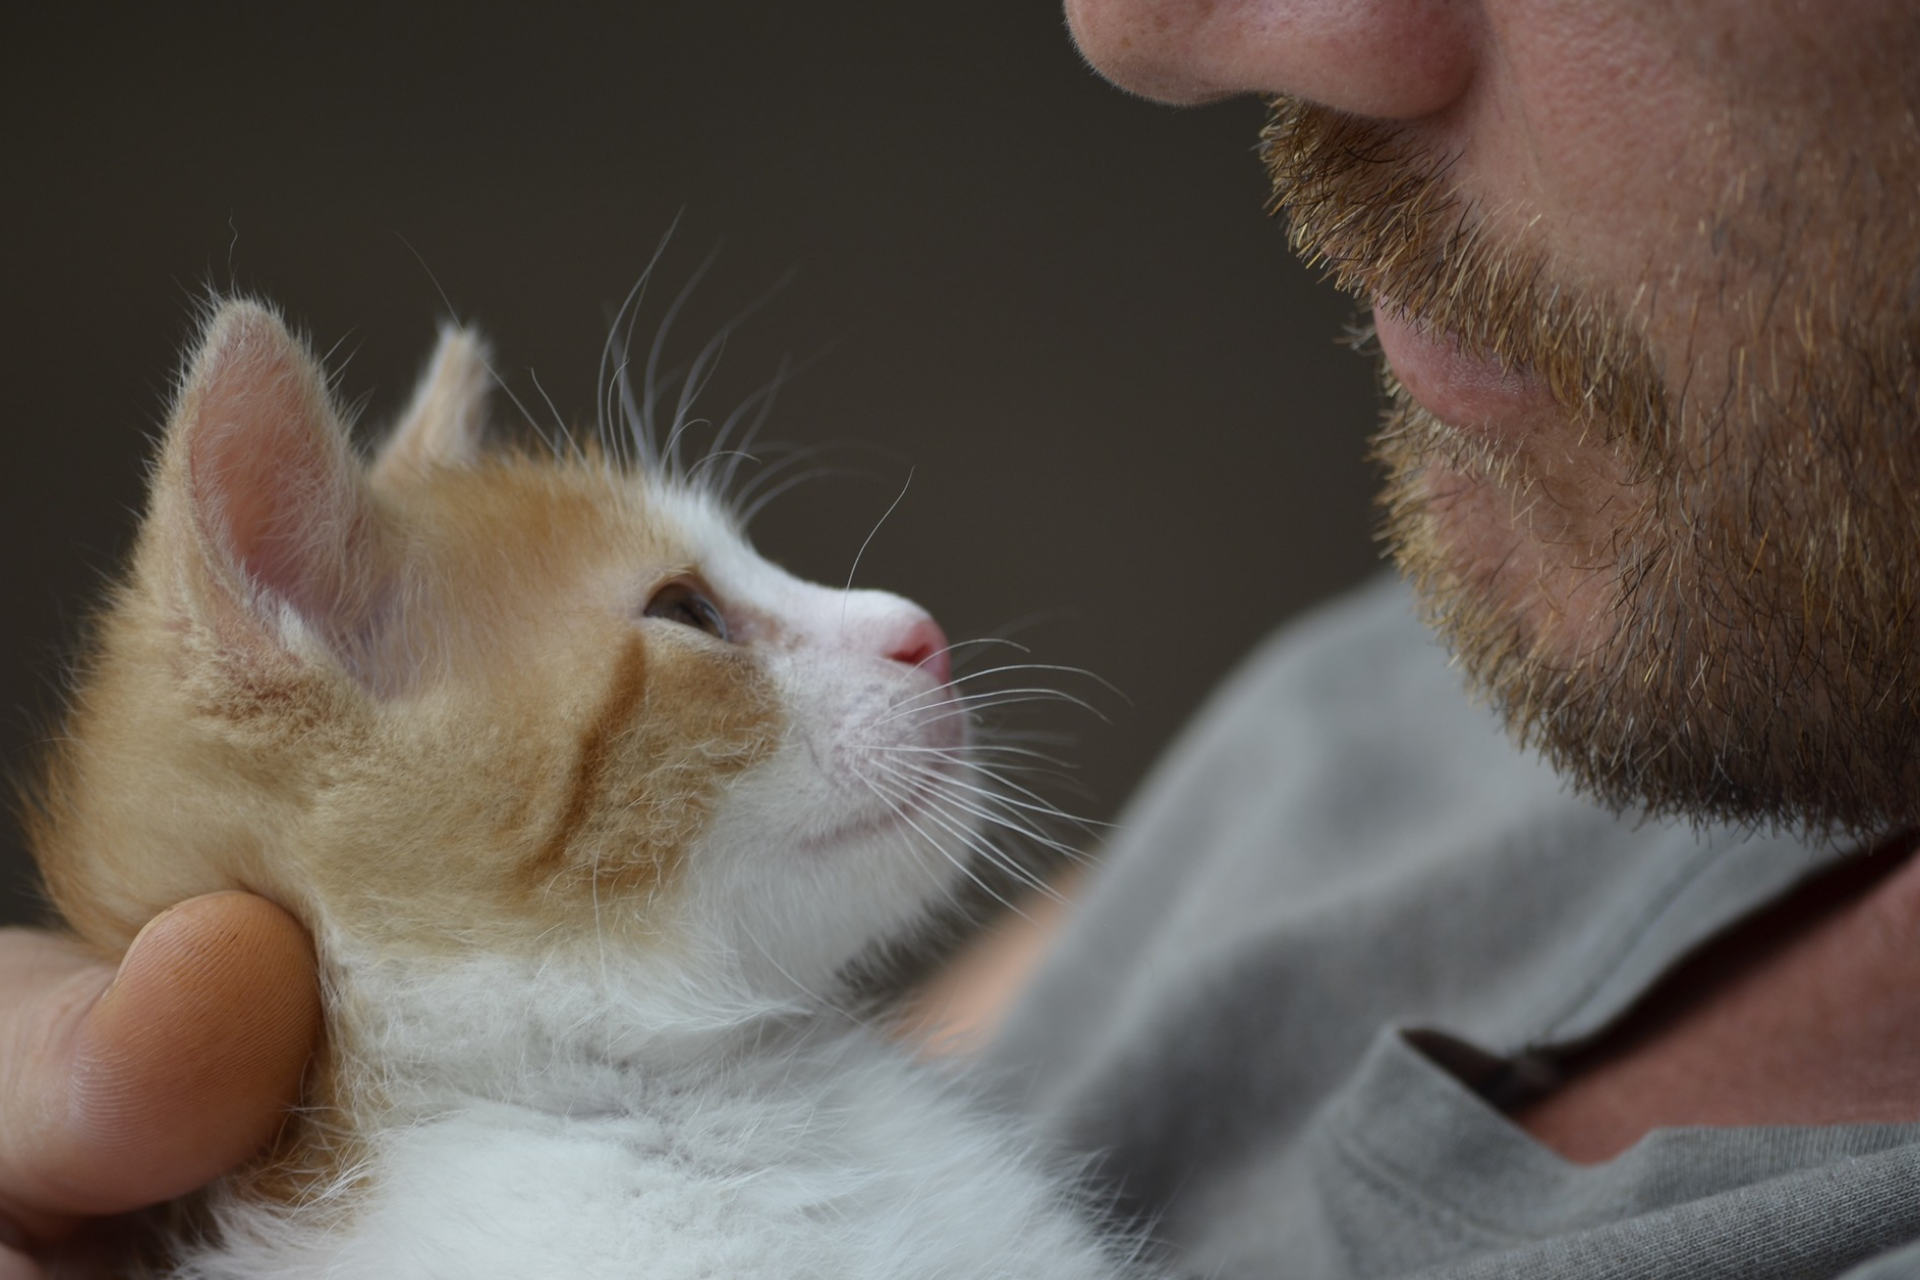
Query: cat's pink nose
x,y
924,645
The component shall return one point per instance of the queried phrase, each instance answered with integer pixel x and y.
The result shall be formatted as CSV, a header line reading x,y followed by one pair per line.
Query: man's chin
x,y
1505,569
1541,626
1617,673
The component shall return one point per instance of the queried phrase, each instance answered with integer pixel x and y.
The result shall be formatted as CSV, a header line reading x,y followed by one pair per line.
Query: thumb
x,y
122,1089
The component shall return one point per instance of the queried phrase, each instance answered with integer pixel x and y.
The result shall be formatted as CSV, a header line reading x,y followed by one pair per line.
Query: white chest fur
x,y
841,1161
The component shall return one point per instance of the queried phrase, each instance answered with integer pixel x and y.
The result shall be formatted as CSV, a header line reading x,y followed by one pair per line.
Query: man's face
x,y
1647,278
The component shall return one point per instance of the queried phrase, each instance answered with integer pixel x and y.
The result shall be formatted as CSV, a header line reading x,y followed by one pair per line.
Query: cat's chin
x,y
849,836
917,810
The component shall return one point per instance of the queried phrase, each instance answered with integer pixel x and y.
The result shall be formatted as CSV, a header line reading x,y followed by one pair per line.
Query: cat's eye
x,y
683,602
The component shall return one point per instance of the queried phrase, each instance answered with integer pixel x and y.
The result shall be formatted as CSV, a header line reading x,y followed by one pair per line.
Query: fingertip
x,y
188,1062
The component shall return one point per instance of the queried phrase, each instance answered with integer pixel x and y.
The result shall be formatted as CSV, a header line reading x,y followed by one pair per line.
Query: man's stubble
x,y
1700,594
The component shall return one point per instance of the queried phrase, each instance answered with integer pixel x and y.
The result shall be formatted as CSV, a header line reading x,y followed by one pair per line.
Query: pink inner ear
x,y
273,485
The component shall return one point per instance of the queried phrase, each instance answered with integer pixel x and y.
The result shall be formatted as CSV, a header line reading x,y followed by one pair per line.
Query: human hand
x,y
959,1008
123,1089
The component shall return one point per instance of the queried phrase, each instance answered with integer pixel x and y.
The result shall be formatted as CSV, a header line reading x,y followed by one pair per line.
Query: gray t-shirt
x,y
1343,896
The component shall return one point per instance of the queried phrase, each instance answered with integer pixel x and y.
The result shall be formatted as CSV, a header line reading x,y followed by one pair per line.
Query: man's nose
x,y
1394,59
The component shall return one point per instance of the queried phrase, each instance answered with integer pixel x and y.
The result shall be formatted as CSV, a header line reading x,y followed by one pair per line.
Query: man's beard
x,y
1735,633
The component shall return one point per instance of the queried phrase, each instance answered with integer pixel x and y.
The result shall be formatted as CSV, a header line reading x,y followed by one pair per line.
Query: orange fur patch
x,y
623,699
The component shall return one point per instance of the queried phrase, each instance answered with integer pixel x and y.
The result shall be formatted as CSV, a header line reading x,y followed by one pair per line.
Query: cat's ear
x,y
261,515
444,424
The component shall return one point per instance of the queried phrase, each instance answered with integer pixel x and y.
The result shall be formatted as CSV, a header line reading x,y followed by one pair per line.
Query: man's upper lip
x,y
1460,388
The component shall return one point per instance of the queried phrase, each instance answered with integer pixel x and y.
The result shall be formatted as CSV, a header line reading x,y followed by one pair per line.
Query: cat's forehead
x,y
521,522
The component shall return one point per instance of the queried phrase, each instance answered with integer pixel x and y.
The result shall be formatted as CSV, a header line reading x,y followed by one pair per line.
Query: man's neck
x,y
1807,1014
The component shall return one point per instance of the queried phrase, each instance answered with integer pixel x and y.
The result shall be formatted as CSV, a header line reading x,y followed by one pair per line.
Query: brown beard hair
x,y
1758,653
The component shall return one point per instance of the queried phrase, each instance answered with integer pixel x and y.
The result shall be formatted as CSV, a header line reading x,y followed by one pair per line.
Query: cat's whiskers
x,y
765,396
1024,758
899,805
638,410
704,366
942,810
453,313
981,641
933,787
617,388
893,506
975,757
1007,668
934,713
966,800
695,480
1022,811
691,385
753,509
533,424
652,387
992,772
793,455
1032,804
962,652
559,422
947,786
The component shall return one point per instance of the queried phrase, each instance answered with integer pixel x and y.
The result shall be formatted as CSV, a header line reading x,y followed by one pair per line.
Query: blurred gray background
x,y
1135,443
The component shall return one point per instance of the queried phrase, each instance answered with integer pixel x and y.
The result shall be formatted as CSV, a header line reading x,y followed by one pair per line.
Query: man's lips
x,y
1462,390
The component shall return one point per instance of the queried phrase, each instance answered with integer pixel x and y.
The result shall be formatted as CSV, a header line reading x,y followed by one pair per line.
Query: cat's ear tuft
x,y
259,504
444,424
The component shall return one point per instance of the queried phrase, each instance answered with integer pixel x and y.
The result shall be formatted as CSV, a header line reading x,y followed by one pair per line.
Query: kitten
x,y
584,804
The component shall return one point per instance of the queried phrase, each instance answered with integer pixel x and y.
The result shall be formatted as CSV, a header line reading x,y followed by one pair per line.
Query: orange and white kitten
x,y
585,805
